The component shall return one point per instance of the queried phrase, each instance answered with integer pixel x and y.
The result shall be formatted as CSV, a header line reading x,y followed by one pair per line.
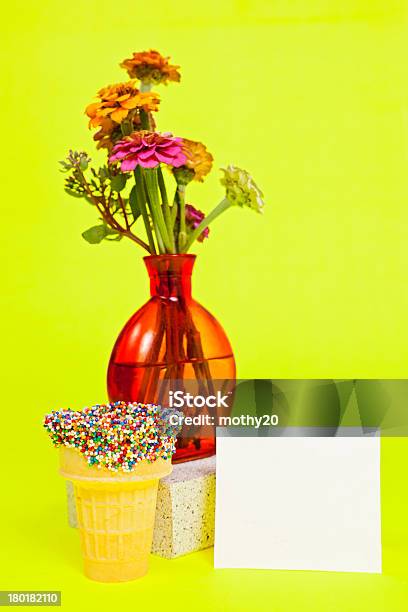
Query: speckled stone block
x,y
185,509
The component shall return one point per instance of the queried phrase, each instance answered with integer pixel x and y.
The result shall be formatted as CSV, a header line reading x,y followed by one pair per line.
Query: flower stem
x,y
144,120
124,212
126,127
160,244
150,176
223,205
182,237
138,241
174,209
166,207
141,197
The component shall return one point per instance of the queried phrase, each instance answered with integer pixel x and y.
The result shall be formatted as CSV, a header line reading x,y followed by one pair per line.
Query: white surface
x,y
298,503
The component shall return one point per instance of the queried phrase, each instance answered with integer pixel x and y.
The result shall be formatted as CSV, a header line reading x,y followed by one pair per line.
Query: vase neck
x,y
170,275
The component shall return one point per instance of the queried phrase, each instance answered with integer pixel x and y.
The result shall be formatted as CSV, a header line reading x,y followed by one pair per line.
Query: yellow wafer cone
x,y
116,512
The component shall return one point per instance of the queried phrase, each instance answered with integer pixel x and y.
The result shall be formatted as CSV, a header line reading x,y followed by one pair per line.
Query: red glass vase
x,y
171,343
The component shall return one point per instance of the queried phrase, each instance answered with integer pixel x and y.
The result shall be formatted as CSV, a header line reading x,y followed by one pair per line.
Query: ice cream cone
x,y
116,512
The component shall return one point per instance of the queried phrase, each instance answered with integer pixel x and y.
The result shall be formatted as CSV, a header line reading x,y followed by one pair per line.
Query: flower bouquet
x,y
172,339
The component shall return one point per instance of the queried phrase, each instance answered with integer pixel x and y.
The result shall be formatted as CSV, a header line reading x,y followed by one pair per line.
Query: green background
x,y
308,95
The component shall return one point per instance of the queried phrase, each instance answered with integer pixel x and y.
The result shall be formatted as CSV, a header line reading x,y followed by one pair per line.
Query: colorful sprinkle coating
x,y
116,436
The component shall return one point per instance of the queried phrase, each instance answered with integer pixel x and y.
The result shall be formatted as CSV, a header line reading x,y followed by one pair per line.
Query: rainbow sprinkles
x,y
116,436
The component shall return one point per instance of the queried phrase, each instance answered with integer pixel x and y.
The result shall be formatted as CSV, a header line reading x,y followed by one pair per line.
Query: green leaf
x,y
103,173
74,194
134,204
65,167
118,182
97,233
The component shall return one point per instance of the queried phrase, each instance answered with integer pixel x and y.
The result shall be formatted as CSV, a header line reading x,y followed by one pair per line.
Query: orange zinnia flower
x,y
151,67
199,160
108,134
111,132
116,102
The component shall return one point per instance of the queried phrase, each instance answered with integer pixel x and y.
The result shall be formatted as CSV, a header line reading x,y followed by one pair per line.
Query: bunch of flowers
x,y
132,185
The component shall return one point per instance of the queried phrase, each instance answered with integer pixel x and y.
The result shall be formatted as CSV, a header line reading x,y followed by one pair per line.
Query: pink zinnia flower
x,y
193,220
148,149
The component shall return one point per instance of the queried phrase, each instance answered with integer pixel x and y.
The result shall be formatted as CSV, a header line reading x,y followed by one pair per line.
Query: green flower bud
x,y
241,189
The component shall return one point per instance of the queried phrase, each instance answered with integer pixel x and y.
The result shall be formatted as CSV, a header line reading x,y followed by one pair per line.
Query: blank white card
x,y
298,503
